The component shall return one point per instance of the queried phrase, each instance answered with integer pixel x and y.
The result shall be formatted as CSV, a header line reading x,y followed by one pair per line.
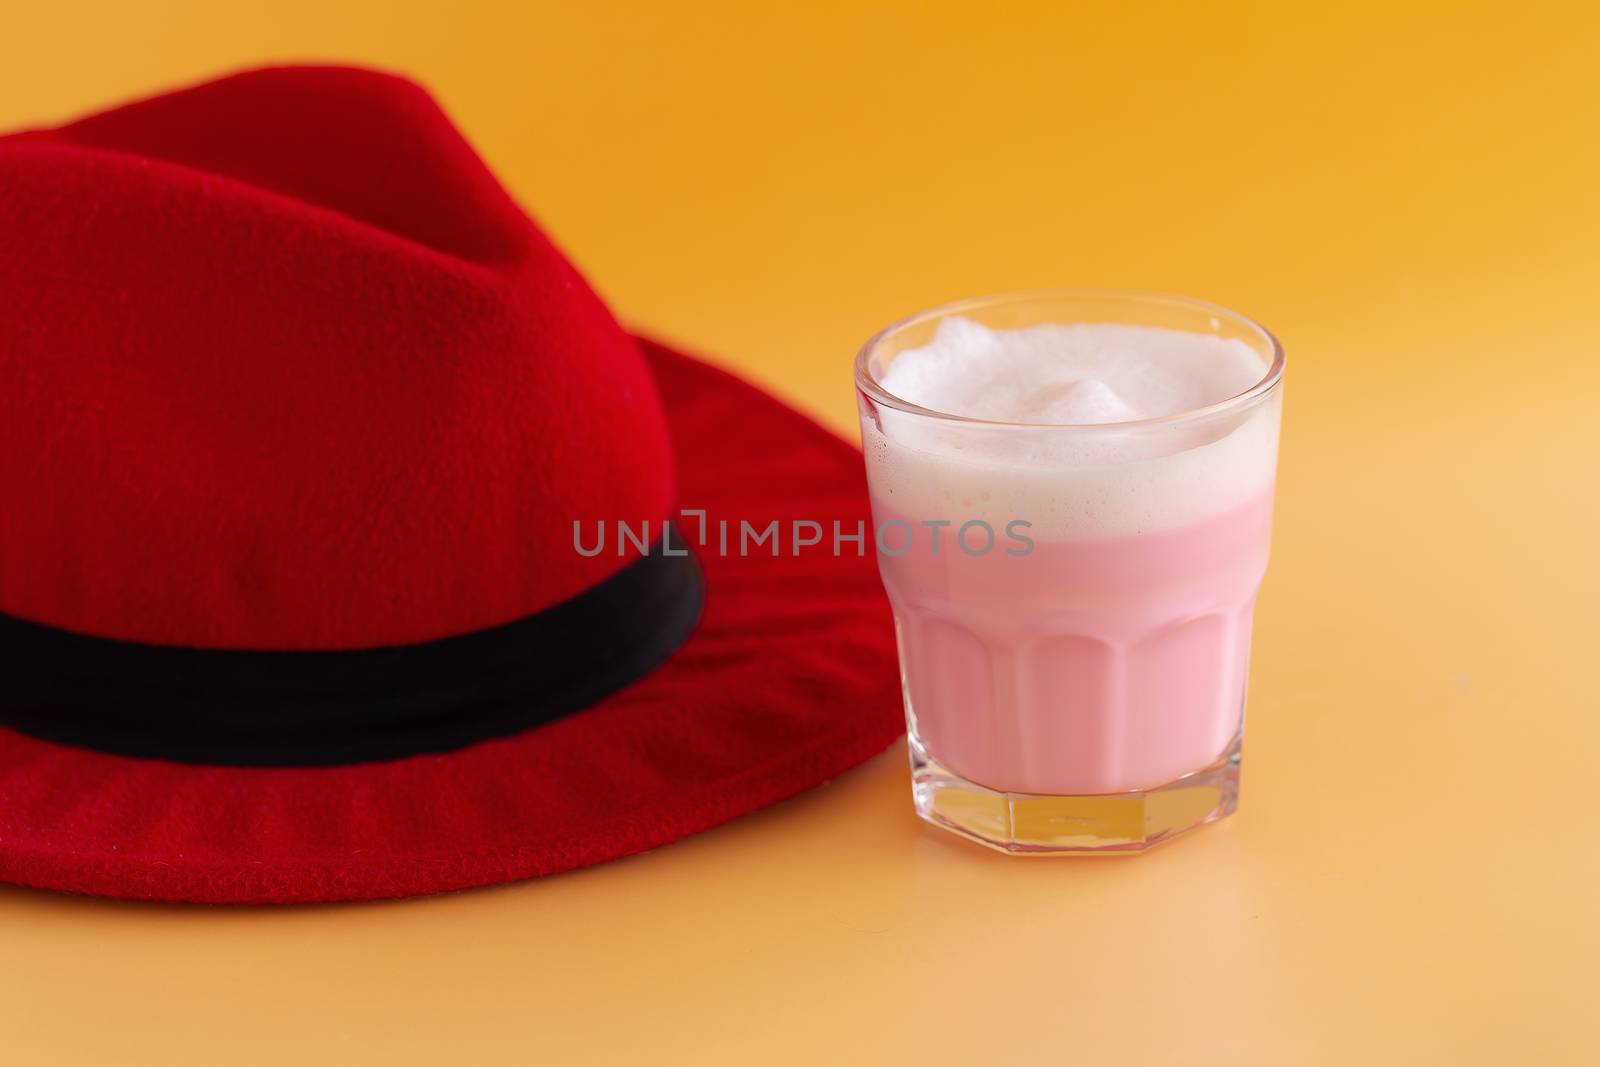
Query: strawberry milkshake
x,y
1072,496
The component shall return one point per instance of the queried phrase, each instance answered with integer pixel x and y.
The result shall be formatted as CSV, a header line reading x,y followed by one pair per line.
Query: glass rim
x,y
870,386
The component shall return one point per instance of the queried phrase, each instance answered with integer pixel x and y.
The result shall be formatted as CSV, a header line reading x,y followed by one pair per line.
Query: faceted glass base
x,y
1100,824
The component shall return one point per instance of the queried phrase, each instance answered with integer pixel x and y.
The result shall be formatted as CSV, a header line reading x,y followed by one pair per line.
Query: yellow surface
x,y
1408,196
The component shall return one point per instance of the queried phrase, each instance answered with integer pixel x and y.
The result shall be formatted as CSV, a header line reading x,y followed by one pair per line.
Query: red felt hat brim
x,y
788,680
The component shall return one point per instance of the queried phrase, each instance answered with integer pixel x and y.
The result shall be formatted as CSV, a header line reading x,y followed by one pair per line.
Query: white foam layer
x,y
1081,373
1091,478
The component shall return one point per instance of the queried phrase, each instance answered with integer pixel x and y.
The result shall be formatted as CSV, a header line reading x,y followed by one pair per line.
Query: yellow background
x,y
1406,194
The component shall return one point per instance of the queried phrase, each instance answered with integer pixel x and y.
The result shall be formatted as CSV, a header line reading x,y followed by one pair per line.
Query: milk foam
x,y
1082,373
1069,469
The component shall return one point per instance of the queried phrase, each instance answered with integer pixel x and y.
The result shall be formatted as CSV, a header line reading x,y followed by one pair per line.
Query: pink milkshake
x,y
1073,499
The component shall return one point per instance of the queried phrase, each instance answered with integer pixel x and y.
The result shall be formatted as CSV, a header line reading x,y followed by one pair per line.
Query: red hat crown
x,y
284,367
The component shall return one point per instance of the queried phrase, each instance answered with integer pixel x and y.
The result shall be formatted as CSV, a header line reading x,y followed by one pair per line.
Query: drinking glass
x,y
1073,602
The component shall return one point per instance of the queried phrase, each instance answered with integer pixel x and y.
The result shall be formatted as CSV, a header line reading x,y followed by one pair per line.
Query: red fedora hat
x,y
308,439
